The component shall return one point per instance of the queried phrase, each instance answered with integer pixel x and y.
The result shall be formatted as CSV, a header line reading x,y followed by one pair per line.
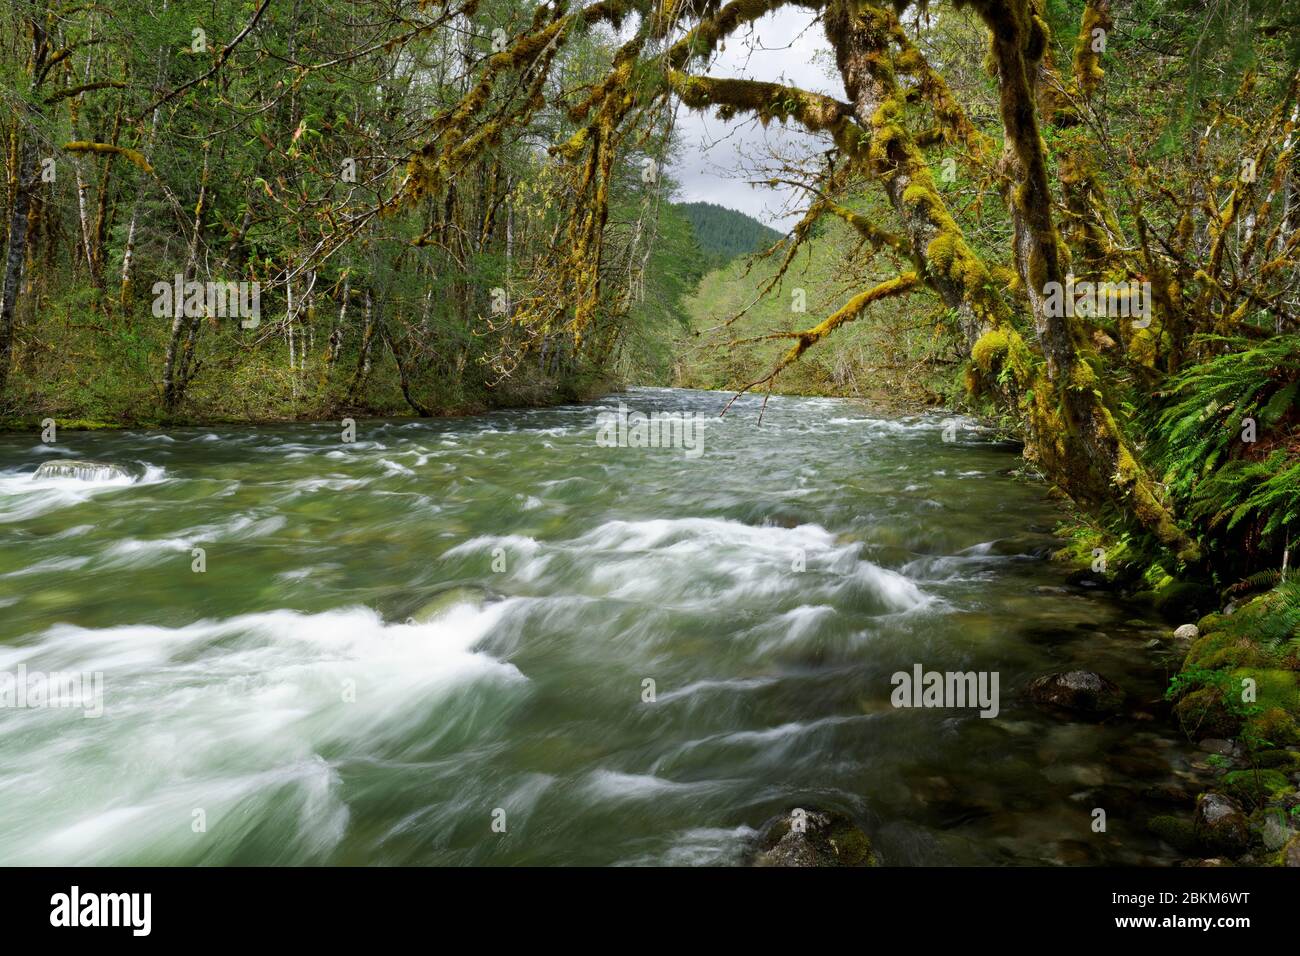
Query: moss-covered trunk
x,y
1073,435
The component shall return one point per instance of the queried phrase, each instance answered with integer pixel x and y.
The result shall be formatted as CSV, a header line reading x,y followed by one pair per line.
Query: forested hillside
x,y
724,233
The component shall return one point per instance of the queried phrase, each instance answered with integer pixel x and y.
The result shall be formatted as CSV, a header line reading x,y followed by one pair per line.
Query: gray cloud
x,y
785,46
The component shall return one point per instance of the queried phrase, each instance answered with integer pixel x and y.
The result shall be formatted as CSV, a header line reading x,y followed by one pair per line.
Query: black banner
x,y
335,905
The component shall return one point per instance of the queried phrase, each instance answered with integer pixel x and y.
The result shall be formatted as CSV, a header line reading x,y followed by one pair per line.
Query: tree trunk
x,y
177,361
25,189
17,251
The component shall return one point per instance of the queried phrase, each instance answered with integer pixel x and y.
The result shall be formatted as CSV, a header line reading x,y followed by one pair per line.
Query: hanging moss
x,y
130,155
989,350
1084,378
1088,73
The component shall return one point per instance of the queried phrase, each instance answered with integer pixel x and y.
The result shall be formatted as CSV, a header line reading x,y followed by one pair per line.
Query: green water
x,y
399,640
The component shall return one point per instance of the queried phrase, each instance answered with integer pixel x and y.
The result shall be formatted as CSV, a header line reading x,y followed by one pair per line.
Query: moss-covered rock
x,y
1286,761
1204,713
1274,725
814,838
1231,684
1222,648
1220,824
1268,828
1290,854
1255,787
1178,833
1211,622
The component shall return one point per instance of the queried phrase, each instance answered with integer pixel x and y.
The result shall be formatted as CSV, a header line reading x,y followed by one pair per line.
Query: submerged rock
x,y
85,471
1081,692
814,838
1221,825
1086,578
1216,745
444,601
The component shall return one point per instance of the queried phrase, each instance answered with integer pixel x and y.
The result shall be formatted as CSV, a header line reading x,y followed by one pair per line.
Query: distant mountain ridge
x,y
724,234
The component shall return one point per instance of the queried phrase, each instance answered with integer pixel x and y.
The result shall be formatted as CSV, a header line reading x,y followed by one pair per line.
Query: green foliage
x,y
675,267
893,356
1243,494
370,300
1220,40
1279,623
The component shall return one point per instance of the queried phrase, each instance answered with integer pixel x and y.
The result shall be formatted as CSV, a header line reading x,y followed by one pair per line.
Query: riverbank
x,y
38,421
1234,691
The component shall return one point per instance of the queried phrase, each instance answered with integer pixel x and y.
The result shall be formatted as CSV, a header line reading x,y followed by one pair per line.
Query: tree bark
x,y
25,189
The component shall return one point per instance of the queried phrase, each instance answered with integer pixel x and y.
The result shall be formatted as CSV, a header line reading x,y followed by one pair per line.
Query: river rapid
x,y
403,645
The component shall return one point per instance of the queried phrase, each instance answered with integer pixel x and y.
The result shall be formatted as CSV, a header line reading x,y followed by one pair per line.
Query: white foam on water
x,y
896,591
141,551
769,743
794,627
612,785
23,497
49,566
701,846
331,483
513,544
132,547
738,685
246,718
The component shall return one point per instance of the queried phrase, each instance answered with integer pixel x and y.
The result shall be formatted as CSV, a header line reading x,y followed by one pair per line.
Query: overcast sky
x,y
782,46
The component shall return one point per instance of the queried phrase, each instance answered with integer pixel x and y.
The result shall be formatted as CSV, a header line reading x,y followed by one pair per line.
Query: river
x,y
490,640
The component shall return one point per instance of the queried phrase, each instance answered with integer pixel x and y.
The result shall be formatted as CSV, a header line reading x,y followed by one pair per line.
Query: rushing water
x,y
396,638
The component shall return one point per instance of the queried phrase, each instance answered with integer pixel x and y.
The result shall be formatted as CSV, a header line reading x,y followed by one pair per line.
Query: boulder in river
x,y
444,601
1221,825
83,470
814,838
1187,632
1080,692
